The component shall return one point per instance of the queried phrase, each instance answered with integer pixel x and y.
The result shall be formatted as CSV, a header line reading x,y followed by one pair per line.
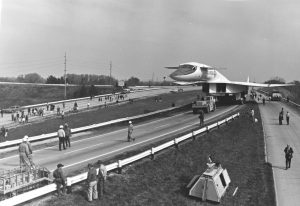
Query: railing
x,y
116,165
13,143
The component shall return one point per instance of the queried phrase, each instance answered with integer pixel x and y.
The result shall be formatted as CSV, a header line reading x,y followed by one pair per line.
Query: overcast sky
x,y
256,38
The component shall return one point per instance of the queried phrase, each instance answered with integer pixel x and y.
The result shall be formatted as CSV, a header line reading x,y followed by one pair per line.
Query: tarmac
x,y
286,182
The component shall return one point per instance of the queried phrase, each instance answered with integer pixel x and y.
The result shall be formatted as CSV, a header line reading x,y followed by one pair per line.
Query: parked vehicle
x,y
207,104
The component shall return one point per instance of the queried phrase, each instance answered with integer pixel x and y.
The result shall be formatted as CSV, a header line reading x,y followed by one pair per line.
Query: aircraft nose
x,y
180,73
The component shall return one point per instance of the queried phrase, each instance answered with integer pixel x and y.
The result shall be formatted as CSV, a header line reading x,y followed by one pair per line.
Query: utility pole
x,y
65,75
110,68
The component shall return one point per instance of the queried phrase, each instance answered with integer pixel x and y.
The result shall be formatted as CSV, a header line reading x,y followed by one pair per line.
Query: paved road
x,y
100,146
6,120
287,182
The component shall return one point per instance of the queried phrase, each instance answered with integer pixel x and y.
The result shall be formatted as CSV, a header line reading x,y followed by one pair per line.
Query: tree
x,y
132,81
275,80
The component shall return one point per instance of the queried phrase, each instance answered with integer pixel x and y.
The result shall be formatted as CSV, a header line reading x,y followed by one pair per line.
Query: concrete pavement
x,y
287,182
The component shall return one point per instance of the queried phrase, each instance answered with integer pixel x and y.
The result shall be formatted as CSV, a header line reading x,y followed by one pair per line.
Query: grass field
x,y
33,94
98,115
239,147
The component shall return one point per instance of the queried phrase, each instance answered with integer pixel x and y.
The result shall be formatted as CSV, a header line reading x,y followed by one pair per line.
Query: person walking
x,y
102,175
60,180
287,116
23,155
201,117
288,150
130,130
68,134
92,183
61,137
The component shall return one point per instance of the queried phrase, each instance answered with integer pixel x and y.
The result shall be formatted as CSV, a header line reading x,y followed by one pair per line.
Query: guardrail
x,y
113,166
78,99
13,143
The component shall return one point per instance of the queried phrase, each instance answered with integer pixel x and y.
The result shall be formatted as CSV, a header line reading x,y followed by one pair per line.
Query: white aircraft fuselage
x,y
212,81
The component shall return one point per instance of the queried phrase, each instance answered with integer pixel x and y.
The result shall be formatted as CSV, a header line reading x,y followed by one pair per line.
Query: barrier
x,y
116,165
84,128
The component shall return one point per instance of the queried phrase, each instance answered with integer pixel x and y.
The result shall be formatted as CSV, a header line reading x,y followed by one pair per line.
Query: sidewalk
x,y
287,182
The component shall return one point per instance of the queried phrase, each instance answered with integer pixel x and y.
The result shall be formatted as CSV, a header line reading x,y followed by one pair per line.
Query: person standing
x,y
102,175
287,116
61,137
130,130
62,114
92,183
23,155
59,179
201,117
288,156
252,114
68,134
281,113
1,113
29,156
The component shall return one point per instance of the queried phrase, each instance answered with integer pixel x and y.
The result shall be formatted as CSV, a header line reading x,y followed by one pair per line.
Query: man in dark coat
x,y
59,179
68,134
288,156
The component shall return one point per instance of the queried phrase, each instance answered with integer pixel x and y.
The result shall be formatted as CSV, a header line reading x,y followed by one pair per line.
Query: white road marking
x,y
131,145
98,136
162,125
83,148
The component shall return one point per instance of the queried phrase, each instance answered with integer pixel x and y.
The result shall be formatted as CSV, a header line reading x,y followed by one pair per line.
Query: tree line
x,y
80,79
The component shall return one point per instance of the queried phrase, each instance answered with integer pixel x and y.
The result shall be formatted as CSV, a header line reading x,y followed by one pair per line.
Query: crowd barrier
x,y
113,166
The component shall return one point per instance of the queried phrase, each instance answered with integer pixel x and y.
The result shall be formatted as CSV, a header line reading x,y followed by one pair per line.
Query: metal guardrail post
x,y
193,136
207,130
152,154
119,167
69,185
176,144
218,125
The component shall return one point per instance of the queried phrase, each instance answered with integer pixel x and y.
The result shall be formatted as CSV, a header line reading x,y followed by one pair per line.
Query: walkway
x,y
287,182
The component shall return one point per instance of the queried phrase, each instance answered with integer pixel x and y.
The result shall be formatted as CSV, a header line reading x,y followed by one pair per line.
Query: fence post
x,y
152,154
193,136
69,185
119,167
218,125
207,130
176,144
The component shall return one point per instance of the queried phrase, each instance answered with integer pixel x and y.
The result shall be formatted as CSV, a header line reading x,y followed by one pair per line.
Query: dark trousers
x,y
288,120
62,141
68,142
287,163
60,183
101,188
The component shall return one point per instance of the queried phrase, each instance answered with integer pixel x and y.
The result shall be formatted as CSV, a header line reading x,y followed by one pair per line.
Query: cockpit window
x,y
187,66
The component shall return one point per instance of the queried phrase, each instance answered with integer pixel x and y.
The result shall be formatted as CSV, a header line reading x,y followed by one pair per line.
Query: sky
x,y
255,38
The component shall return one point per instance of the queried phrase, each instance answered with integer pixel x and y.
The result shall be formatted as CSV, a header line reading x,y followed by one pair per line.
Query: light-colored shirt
x,y
61,133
